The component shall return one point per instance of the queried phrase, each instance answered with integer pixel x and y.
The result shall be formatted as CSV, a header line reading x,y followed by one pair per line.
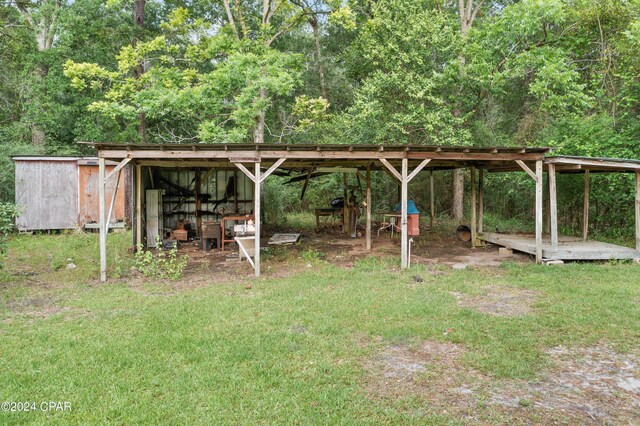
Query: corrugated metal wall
x,y
180,207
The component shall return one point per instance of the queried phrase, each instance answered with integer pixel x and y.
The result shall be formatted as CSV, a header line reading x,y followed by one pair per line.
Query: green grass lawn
x,y
287,350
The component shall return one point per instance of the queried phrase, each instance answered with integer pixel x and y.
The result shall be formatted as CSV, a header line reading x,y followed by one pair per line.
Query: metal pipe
x,y
409,254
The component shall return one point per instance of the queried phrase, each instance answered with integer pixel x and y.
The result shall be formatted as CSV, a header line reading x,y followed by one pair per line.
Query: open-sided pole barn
x,y
403,162
557,247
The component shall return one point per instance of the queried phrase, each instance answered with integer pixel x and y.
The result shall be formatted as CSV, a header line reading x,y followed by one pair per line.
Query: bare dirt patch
x,y
32,308
591,385
401,363
446,249
218,267
432,373
500,301
594,385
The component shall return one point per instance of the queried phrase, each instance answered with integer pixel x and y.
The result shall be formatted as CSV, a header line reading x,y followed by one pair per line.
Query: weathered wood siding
x,y
62,193
47,194
89,203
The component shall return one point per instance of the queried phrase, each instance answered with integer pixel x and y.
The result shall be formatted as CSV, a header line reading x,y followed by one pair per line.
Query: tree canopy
x,y
530,72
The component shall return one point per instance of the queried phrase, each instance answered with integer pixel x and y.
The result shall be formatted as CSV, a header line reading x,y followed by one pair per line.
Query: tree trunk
x,y
138,18
316,38
258,131
37,135
44,40
467,14
457,203
138,13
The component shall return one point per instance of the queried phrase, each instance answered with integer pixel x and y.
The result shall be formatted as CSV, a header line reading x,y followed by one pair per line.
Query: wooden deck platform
x,y
569,248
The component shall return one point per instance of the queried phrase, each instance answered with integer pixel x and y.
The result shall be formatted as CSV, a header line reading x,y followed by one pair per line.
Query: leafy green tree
x,y
197,86
405,52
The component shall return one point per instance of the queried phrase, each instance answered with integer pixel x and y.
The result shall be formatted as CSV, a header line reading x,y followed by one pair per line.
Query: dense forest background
x,y
554,73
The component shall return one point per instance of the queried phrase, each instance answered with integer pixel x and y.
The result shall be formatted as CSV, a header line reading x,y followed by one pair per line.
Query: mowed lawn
x,y
292,349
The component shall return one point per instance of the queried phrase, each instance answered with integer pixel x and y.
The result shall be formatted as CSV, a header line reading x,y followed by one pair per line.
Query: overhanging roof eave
x,y
593,163
316,153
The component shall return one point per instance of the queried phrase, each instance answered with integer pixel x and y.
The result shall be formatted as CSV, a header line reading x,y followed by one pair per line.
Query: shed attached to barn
x,y
62,193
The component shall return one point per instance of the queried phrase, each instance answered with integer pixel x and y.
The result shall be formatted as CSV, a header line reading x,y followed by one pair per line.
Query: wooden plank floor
x,y
569,248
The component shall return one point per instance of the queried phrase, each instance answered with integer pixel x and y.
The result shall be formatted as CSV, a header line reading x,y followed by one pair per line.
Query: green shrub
x,y
312,255
162,264
7,215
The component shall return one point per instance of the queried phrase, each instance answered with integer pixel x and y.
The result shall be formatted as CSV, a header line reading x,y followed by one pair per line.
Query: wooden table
x,y
235,219
390,221
330,211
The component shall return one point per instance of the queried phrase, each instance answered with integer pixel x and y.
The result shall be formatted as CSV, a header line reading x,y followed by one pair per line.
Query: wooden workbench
x,y
235,219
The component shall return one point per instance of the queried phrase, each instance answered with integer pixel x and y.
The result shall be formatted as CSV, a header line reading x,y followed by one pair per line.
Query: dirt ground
x,y
500,301
582,385
430,248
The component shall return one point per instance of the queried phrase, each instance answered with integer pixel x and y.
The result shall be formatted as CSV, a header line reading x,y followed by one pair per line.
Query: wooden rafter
x,y
246,171
418,169
117,168
526,168
272,169
392,169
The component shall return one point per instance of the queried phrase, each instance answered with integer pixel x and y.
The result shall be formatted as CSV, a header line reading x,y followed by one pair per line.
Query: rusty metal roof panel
x,y
316,147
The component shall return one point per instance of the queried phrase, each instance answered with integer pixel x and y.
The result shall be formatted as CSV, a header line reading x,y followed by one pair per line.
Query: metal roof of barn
x,y
303,156
567,163
81,160
48,157
316,147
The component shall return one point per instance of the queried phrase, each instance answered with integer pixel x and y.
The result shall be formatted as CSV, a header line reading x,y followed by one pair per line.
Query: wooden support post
x,y
585,221
404,178
547,210
103,224
235,191
368,208
480,201
256,214
404,260
539,208
474,205
197,191
345,208
432,204
113,200
553,207
138,206
638,210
